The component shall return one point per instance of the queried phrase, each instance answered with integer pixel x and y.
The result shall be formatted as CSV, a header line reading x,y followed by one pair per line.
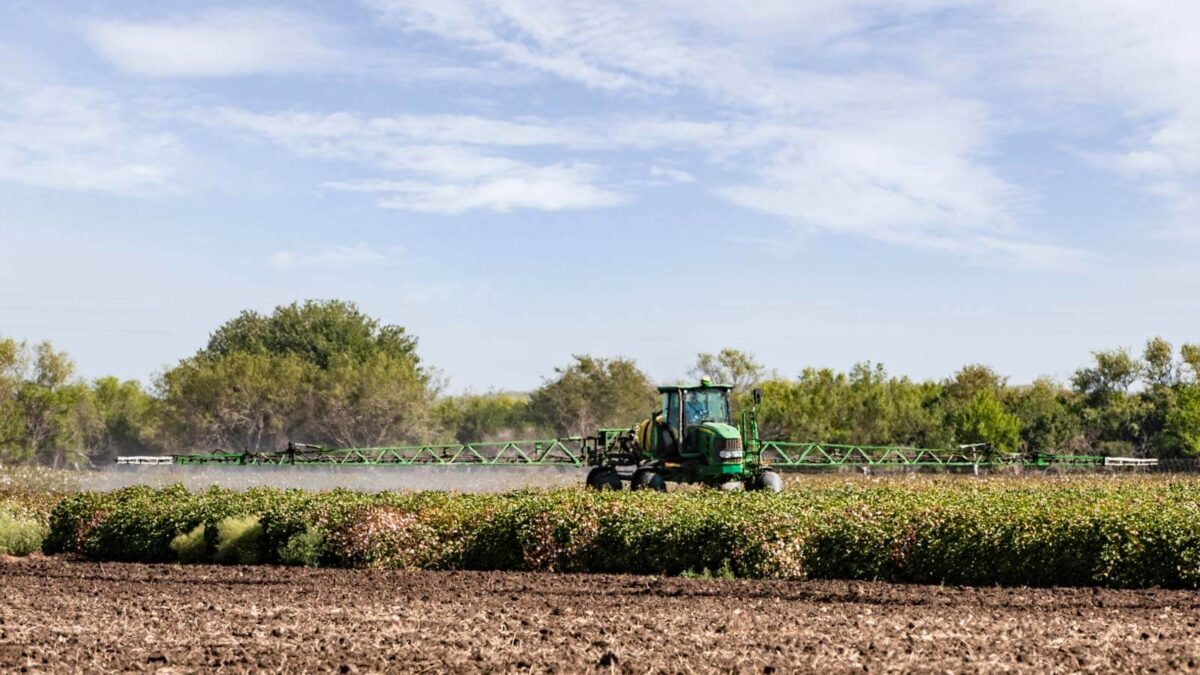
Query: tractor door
x,y
670,430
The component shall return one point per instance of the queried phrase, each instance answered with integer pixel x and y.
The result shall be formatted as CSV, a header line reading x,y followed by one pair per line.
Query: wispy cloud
x,y
445,164
1143,57
547,188
668,175
79,138
347,134
333,257
881,152
222,42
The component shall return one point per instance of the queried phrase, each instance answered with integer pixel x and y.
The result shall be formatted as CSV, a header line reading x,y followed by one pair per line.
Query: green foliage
x,y
1082,531
304,549
1182,427
381,400
242,401
1044,411
1113,373
865,406
40,405
1190,355
1104,413
723,573
239,540
315,331
1118,418
19,535
139,523
985,420
472,418
593,393
320,370
49,416
729,366
1158,364
122,418
191,547
969,382
323,372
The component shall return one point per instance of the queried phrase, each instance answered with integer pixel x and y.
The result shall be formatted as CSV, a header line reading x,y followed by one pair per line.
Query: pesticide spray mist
x,y
365,478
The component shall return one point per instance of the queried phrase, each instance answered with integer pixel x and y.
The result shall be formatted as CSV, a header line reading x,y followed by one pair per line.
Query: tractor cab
x,y
684,407
695,423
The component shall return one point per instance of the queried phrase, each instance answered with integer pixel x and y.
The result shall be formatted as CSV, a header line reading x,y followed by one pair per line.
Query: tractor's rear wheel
x,y
604,478
645,479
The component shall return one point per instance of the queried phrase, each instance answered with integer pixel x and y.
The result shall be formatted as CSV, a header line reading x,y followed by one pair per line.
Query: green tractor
x,y
692,439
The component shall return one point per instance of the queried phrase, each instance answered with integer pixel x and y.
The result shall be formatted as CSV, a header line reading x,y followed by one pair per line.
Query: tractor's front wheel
x,y
645,479
604,478
768,481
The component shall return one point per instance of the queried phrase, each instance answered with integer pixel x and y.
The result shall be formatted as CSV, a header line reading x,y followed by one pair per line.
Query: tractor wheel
x,y
604,478
645,479
770,481
732,486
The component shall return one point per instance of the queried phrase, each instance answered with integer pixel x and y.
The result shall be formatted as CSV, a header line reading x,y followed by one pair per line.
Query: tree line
x,y
324,372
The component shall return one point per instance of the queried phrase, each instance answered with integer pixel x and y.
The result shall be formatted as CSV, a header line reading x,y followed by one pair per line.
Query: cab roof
x,y
705,383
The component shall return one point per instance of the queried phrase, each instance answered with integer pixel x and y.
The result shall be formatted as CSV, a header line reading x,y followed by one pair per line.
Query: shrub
x,y
18,535
239,540
1093,530
304,549
191,547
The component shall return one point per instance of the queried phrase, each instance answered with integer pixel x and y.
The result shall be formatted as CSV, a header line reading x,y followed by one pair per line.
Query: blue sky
x,y
923,183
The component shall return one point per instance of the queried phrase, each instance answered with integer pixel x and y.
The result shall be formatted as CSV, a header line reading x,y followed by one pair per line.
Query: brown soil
x,y
77,616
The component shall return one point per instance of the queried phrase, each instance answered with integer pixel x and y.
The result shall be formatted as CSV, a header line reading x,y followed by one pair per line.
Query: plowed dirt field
x,y
75,616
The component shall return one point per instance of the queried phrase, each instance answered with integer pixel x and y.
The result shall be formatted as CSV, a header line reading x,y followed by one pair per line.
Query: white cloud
x,y
547,188
881,151
333,257
668,175
342,132
223,42
78,138
482,25
448,164
1142,57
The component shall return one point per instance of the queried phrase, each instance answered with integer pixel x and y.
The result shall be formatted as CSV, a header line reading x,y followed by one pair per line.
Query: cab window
x,y
670,412
702,405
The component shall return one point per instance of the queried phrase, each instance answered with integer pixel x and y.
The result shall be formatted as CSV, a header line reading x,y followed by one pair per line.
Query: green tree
x,y
381,399
984,420
120,418
729,366
871,413
240,401
471,418
1190,355
965,385
1158,363
1044,409
12,423
1115,425
1114,421
321,371
1112,374
593,393
809,408
315,331
1182,429
42,405
866,406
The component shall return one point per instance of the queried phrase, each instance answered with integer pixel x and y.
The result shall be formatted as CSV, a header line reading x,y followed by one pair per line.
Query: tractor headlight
x,y
730,454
